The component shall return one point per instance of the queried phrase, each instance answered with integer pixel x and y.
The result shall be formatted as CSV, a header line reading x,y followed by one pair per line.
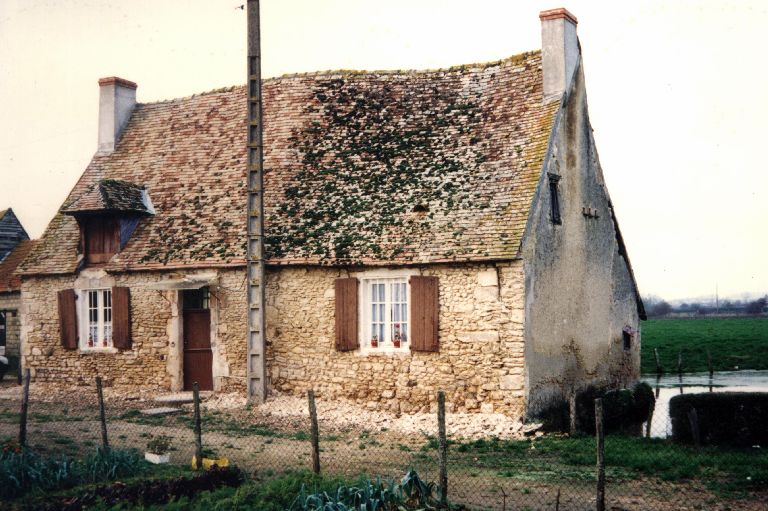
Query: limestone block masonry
x,y
154,360
480,365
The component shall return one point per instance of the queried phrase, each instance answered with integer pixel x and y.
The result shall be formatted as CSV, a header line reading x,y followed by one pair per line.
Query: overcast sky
x,y
677,93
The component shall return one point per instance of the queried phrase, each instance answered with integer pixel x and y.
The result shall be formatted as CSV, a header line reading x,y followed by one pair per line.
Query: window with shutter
x,y
68,318
425,308
346,314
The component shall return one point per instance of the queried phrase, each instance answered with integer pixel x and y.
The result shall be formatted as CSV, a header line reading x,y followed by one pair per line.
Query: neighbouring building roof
x,y
112,195
9,282
380,168
11,232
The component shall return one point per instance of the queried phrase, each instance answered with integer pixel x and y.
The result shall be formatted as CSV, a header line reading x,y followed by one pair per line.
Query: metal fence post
x,y
198,429
315,431
442,449
24,409
600,438
102,415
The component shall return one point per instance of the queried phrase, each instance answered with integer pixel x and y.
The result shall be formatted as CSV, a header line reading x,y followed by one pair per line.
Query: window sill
x,y
98,350
385,350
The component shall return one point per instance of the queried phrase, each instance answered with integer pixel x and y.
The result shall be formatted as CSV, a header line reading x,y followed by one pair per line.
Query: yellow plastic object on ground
x,y
210,462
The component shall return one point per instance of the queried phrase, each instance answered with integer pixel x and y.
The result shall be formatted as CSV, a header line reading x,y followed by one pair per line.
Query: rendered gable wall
x,y
579,292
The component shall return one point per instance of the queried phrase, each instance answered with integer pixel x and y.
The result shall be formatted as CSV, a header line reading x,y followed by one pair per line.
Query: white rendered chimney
x,y
117,97
559,51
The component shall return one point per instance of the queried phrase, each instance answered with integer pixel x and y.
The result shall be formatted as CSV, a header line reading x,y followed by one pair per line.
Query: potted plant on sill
x,y
158,449
397,338
374,342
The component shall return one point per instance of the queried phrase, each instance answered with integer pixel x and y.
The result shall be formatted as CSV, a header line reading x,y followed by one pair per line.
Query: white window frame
x,y
365,313
104,320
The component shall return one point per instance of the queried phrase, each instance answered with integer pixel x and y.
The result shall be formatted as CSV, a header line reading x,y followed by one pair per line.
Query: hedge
x,y
736,419
624,410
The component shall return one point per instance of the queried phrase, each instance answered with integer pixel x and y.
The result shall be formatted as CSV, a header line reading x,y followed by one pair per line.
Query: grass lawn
x,y
733,342
627,458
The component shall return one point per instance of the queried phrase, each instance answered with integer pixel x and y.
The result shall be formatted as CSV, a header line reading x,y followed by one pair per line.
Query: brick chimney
x,y
559,51
117,97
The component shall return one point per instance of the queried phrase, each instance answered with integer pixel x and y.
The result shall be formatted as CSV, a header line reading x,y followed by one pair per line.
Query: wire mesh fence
x,y
643,469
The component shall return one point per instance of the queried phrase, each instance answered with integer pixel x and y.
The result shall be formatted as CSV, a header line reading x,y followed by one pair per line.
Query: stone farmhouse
x,y
444,229
14,247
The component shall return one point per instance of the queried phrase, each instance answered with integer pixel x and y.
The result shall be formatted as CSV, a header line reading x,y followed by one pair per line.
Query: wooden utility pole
x,y
256,370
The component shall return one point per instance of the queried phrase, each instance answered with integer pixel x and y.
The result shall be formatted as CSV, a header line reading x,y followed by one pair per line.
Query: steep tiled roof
x,y
375,168
8,281
110,195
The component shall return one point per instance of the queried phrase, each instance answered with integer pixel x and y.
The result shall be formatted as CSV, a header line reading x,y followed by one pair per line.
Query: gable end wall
x,y
579,291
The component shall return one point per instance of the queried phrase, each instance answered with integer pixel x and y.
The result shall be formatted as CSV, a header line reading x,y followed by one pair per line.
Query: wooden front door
x,y
198,357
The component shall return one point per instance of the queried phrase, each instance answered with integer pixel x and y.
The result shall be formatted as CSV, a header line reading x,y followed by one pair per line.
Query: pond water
x,y
672,385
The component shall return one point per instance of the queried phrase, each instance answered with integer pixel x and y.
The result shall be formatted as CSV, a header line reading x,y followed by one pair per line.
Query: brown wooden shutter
x,y
121,318
425,308
346,314
68,318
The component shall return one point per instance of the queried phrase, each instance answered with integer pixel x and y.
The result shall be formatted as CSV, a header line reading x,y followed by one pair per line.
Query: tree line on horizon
x,y
657,307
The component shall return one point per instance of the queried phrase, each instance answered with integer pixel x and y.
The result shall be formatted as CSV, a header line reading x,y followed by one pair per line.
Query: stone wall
x,y
479,365
9,302
154,360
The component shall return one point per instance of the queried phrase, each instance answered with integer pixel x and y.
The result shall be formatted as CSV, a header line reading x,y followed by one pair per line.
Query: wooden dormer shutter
x,y
346,314
121,318
68,318
425,309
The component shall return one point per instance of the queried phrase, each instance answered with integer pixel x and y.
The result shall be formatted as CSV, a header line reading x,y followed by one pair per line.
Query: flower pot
x,y
374,343
396,342
157,459
208,463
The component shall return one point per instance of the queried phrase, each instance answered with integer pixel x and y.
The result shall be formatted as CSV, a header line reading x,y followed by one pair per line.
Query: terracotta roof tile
x,y
373,168
9,282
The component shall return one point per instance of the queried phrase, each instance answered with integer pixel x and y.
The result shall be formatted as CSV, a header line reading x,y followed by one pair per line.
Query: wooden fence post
x,y
24,409
709,364
659,369
652,408
680,363
315,431
198,429
600,438
442,449
102,415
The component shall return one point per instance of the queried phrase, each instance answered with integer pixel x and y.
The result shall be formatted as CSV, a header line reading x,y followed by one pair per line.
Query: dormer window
x,y
108,212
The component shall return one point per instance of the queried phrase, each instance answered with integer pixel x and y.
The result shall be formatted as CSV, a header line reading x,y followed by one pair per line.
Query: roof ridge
x,y
335,72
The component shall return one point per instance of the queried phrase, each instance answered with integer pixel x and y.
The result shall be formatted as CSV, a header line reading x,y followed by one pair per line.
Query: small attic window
x,y
554,196
101,238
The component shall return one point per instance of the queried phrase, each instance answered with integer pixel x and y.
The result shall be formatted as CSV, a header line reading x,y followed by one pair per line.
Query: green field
x,y
735,343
